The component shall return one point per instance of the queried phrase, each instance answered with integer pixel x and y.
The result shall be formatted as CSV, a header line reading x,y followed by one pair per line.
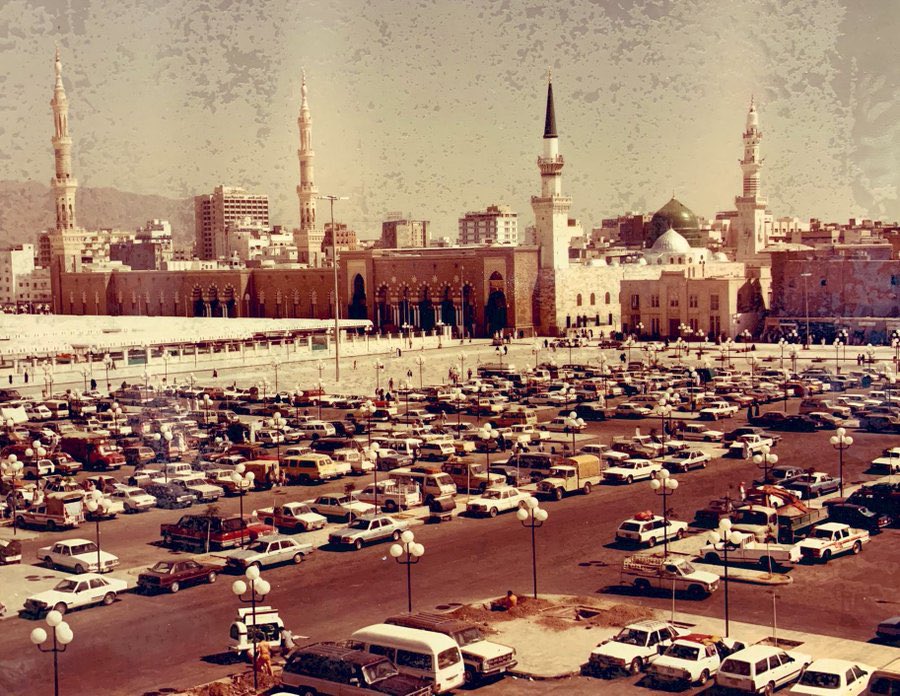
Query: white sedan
x,y
268,551
631,470
79,555
77,592
685,460
133,499
829,676
497,499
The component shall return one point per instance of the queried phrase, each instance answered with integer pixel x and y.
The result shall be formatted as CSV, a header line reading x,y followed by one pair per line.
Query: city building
x,y
309,236
399,232
34,290
345,239
15,263
149,249
498,224
217,212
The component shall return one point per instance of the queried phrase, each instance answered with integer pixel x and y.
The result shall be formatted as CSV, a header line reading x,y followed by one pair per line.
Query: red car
x,y
171,576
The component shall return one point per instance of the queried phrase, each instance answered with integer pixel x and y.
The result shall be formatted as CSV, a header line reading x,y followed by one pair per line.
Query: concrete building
x,y
216,212
399,232
149,249
344,241
34,290
15,263
309,236
498,224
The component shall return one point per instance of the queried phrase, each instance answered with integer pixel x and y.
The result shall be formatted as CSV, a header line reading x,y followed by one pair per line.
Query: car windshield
x,y
754,517
629,465
469,636
822,534
378,671
683,652
631,636
448,658
491,494
162,567
822,680
736,667
260,547
89,547
359,524
66,586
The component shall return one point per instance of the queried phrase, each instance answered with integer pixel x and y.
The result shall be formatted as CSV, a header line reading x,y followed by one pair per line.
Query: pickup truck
x,y
691,659
633,648
638,445
56,511
646,572
211,531
718,409
783,524
198,486
578,473
830,539
746,446
392,496
291,517
750,551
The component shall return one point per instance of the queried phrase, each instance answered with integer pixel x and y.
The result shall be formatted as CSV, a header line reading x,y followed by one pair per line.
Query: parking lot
x,y
338,589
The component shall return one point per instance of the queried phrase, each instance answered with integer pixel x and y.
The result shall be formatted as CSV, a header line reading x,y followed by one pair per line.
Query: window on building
x,y
693,324
654,300
635,301
578,299
654,326
713,301
692,301
673,301
593,299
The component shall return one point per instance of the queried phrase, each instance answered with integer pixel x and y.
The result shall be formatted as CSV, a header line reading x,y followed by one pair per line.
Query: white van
x,y
405,446
59,409
436,451
417,653
433,485
316,429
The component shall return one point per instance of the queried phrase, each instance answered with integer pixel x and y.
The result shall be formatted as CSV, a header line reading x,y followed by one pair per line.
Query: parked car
x,y
856,516
685,460
633,648
761,669
832,538
171,576
78,555
76,592
368,529
648,529
133,499
497,499
830,676
631,470
268,551
692,659
346,506
812,485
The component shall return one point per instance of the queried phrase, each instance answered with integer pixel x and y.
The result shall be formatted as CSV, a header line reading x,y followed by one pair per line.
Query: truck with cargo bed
x,y
668,574
578,473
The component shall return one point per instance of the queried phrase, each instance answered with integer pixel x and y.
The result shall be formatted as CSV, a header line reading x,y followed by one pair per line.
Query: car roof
x,y
831,526
649,625
333,650
752,652
832,664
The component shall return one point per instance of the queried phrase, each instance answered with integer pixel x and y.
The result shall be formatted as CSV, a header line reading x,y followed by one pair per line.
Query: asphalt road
x,y
145,645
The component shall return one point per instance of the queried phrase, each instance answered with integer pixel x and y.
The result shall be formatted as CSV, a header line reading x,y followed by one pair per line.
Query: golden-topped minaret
x,y
309,236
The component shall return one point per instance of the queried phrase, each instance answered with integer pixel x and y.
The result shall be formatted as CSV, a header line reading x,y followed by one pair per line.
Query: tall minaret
x,y
551,208
308,237
63,184
752,234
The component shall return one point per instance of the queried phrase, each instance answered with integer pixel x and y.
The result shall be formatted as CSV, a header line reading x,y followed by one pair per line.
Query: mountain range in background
x,y
26,210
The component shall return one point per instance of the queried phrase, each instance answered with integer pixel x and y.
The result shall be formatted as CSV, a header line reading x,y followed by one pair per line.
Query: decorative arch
x,y
578,300
593,299
426,308
448,309
229,304
197,301
607,298
358,308
382,307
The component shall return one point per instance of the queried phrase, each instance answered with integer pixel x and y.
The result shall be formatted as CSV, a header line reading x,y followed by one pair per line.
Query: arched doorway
x,y
405,307
448,311
357,308
426,310
495,310
228,301
468,310
213,296
197,302
382,308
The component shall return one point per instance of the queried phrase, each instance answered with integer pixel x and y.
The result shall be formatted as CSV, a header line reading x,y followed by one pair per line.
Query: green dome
x,y
674,215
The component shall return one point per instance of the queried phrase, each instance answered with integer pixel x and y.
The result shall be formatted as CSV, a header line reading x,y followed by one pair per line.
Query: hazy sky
x,y
435,108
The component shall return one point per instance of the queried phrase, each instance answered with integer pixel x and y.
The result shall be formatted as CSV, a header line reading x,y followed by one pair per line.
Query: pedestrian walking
x,y
26,376
215,373
10,379
743,492
391,384
354,364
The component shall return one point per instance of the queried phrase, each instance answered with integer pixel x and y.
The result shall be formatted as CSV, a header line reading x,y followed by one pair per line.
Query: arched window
x,y
607,298
593,299
578,299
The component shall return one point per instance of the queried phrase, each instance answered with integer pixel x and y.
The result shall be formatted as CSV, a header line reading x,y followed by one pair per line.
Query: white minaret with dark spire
x,y
752,233
309,236
63,183
551,208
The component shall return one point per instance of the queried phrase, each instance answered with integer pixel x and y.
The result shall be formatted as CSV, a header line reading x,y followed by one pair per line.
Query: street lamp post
x,y
765,461
574,424
243,482
664,485
487,434
379,366
695,383
666,401
107,363
320,392
337,304
258,589
805,277
532,516
372,453
408,552
278,425
420,361
62,636
12,468
456,395
730,540
837,347
97,506
841,441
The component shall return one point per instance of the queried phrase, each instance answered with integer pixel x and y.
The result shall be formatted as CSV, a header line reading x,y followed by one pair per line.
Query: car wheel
x,y
298,558
492,512
309,692
396,535
51,526
857,547
586,489
174,587
702,465
79,569
629,480
48,561
470,678
391,506
60,607
269,521
358,544
109,598
211,577
826,556
651,542
20,521
257,565
635,666
641,585
765,561
557,494
679,534
696,591
769,689
704,677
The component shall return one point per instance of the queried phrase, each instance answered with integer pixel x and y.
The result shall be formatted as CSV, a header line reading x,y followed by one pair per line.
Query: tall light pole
x,y
574,424
532,516
337,304
730,541
456,395
97,505
258,589
781,344
407,553
279,423
12,468
837,347
107,363
805,277
372,453
62,636
420,361
664,485
666,402
841,441
243,482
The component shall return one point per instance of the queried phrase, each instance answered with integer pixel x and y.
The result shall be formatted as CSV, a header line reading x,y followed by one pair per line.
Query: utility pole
x,y
337,304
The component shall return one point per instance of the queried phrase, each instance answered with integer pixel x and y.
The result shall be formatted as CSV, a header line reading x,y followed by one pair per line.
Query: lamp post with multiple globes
x,y
532,517
664,485
730,540
250,591
62,635
408,553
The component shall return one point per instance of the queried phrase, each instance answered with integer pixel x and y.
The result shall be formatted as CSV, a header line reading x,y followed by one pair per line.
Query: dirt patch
x,y
569,616
484,616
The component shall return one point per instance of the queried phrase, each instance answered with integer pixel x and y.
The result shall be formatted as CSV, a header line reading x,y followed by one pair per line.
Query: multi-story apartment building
x,y
498,224
15,262
214,213
399,232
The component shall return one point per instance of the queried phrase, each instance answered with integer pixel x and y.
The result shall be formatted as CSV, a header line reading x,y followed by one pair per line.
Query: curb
x,y
543,677
761,579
